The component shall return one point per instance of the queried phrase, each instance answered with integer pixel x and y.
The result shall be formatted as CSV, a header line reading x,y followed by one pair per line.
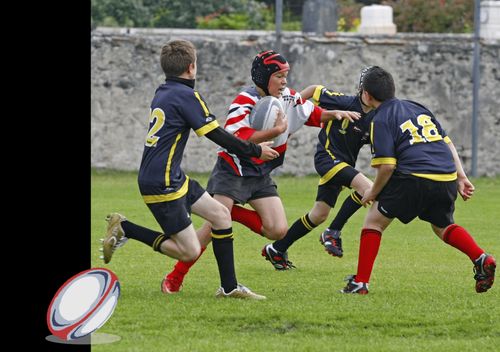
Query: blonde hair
x,y
176,56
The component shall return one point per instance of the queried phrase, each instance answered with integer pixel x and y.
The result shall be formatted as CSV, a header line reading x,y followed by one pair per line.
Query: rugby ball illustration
x,y
83,303
263,117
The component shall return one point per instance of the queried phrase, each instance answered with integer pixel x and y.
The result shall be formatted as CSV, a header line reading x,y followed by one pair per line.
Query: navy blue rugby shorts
x,y
332,183
406,196
175,215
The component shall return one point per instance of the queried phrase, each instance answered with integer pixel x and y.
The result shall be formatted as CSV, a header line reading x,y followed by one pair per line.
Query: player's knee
x,y
191,257
318,218
224,213
275,232
190,254
319,213
374,225
221,218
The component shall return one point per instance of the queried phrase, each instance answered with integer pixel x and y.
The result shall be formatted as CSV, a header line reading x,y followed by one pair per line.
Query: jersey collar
x,y
187,82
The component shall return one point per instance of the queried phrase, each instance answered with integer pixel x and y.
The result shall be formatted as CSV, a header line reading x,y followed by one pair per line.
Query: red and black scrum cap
x,y
264,65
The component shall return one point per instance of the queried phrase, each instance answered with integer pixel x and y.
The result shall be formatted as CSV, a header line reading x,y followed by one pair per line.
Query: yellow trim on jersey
x,y
202,103
169,161
438,177
333,171
385,161
158,198
317,94
345,124
371,132
447,140
306,223
328,128
207,128
222,236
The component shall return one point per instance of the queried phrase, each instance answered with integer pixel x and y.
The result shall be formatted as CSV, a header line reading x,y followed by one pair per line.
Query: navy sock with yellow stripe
x,y
222,243
351,204
300,228
151,238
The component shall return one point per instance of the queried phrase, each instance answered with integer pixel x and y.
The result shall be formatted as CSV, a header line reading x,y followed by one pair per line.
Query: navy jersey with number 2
x,y
175,110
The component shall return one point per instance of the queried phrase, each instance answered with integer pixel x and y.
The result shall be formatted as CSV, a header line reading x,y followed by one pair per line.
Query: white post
x,y
377,19
490,19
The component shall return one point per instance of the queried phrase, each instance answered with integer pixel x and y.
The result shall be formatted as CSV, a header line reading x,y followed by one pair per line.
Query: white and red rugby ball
x,y
83,304
263,116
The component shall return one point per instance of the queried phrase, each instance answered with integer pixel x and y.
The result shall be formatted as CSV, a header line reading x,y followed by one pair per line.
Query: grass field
x,y
422,295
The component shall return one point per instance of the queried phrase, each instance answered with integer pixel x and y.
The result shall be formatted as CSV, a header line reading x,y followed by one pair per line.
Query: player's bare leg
x,y
360,183
217,227
184,245
172,283
275,227
319,213
272,213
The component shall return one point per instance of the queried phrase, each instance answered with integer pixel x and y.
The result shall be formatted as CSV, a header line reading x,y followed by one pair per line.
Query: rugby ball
x,y
83,304
263,117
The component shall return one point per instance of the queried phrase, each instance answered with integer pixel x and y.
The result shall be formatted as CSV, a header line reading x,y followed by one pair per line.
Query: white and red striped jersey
x,y
298,111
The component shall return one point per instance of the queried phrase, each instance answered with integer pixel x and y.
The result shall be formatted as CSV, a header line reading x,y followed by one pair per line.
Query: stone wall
x,y
434,69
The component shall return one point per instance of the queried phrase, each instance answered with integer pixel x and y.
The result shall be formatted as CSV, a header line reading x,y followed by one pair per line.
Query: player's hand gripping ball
x,y
263,116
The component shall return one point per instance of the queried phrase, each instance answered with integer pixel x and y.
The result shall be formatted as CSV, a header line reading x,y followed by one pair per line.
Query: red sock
x,y
182,268
247,217
368,250
458,237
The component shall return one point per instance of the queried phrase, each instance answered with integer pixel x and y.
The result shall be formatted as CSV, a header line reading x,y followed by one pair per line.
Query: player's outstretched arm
x,y
328,115
308,92
465,187
241,147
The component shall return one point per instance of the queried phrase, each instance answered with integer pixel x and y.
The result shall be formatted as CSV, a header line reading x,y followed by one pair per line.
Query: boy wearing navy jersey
x,y
167,191
418,174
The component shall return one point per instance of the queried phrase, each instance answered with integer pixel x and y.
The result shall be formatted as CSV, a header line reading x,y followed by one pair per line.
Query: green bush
x,y
440,16
126,13
251,15
225,21
433,16
231,14
291,26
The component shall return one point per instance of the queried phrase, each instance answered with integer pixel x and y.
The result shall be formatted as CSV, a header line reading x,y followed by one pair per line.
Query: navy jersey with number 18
x,y
406,134
176,108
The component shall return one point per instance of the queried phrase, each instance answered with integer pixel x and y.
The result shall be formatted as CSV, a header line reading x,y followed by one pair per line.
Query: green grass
x,y
421,297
